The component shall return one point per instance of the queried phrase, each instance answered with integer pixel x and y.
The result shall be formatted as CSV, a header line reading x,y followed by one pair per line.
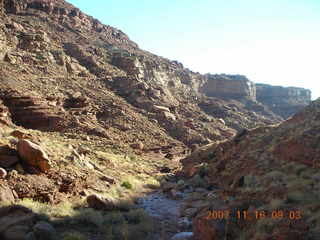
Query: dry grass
x,y
132,223
74,236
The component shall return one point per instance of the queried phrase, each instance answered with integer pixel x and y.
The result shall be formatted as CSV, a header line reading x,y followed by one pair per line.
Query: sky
x,y
270,41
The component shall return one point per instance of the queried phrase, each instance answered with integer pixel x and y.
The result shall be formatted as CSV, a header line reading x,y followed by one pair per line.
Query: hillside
x,y
274,168
86,114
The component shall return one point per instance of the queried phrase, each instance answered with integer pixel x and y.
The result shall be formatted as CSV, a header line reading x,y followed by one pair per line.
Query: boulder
x,y
33,155
168,116
222,121
3,173
108,179
138,146
6,194
8,161
101,203
160,109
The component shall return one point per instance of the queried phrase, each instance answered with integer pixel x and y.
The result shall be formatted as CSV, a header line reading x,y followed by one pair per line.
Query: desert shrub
x,y
114,218
132,225
88,216
136,216
126,185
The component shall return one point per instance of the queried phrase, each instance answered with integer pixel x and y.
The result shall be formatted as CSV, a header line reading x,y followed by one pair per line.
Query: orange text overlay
x,y
258,214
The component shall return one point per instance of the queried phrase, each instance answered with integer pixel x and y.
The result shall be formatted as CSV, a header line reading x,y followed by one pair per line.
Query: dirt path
x,y
166,213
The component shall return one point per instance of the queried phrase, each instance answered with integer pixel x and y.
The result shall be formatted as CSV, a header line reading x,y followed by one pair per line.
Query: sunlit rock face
x,y
229,86
284,101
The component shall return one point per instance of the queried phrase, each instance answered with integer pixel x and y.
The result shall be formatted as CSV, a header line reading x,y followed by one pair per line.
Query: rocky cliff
x,y
228,86
109,117
284,101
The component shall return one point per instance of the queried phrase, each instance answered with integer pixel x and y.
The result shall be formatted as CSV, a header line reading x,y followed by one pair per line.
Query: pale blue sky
x,y
270,41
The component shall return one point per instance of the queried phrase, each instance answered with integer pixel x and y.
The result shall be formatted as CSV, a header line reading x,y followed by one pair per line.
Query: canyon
x,y
92,126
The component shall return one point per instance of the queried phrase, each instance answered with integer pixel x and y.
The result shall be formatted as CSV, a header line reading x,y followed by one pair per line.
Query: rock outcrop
x,y
14,7
97,104
33,155
284,101
32,112
228,86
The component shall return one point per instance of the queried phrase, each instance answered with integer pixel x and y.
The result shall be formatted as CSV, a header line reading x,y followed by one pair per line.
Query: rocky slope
x,y
69,48
85,111
268,170
284,101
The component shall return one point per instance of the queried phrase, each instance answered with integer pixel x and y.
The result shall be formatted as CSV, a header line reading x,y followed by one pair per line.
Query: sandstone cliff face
x,y
228,86
284,101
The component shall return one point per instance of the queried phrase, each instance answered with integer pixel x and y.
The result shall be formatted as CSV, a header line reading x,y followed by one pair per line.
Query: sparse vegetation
x,y
126,185
74,236
132,223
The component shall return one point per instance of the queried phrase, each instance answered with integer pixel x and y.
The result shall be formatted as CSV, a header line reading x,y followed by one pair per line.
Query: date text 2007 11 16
x,y
246,215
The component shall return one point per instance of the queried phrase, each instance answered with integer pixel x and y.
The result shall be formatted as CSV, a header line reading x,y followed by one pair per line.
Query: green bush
x,y
126,185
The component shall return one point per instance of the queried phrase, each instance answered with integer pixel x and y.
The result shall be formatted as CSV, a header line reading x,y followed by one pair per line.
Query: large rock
x,y
160,109
8,161
229,86
168,116
3,173
101,203
33,155
6,194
